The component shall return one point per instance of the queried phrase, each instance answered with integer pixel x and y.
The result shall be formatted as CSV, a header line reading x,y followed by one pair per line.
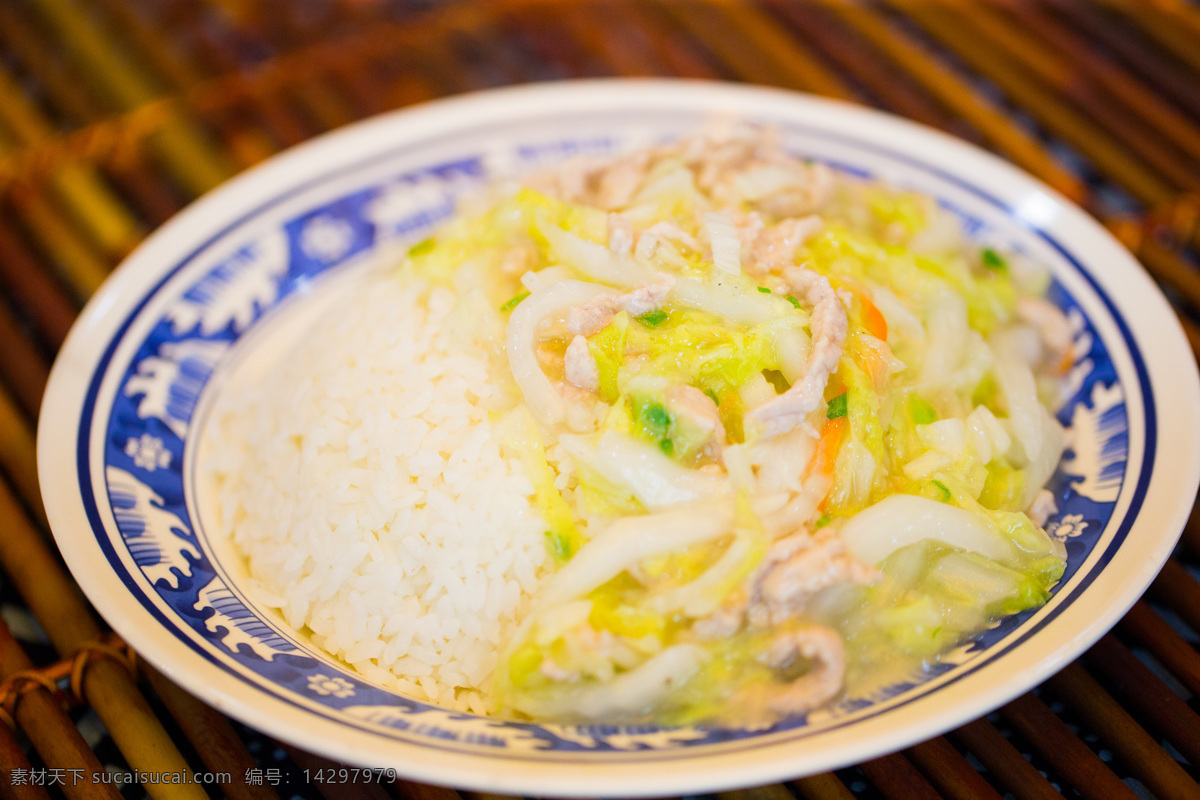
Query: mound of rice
x,y
361,479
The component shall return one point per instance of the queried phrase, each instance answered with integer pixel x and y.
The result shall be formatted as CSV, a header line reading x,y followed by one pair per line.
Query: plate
x,y
243,267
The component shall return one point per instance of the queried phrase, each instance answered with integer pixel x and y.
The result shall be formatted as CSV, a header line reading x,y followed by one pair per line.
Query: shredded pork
x,y
829,326
594,315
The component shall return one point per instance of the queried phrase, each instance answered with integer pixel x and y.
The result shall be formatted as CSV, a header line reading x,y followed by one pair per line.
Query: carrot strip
x,y
873,319
830,443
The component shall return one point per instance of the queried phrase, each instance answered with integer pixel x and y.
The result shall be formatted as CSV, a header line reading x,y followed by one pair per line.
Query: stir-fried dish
x,y
787,429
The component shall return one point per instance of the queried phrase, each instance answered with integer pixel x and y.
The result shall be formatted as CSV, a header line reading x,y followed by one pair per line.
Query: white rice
x,y
361,480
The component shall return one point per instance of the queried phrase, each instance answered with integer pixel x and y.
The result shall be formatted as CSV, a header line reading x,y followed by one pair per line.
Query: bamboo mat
x,y
116,113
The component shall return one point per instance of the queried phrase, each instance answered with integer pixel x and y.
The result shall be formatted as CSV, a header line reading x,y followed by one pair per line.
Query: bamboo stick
x,y
107,69
102,139
423,791
111,692
12,758
541,25
1153,633
1169,267
1135,53
1191,329
440,66
18,456
50,310
365,85
68,95
765,34
172,64
1178,590
324,105
155,199
753,48
1134,95
292,112
1069,756
64,90
1004,761
87,200
950,90
224,753
897,779
22,367
33,569
502,66
184,148
831,36
949,772
468,795
825,786
1191,527
248,147
73,259
212,735
407,89
770,791
1148,762
1106,153
682,58
51,731
1171,30
68,622
260,100
1148,697
1081,89
592,25
76,261
334,791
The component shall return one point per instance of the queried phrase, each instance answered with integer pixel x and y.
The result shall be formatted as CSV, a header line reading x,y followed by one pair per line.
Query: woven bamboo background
x,y
116,113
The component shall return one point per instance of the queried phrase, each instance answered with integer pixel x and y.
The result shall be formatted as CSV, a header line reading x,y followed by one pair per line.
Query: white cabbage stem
x,y
702,596
653,477
628,694
876,532
1041,468
741,307
595,260
946,334
630,540
726,244
554,301
1017,384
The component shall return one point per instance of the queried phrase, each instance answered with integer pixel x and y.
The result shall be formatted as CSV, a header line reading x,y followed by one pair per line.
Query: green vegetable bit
x,y
513,302
920,409
656,419
763,289
793,301
993,260
652,319
654,422
944,494
561,546
837,407
421,248
823,520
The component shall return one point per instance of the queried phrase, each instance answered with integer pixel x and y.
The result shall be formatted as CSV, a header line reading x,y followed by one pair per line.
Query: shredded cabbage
x,y
692,550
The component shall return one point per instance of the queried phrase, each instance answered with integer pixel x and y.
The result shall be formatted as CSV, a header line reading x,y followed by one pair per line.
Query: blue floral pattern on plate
x,y
153,419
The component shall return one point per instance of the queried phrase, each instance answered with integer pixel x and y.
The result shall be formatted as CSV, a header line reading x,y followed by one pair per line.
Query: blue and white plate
x,y
232,274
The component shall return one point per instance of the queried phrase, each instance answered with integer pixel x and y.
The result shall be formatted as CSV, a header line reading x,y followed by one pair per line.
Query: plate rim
x,y
273,176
